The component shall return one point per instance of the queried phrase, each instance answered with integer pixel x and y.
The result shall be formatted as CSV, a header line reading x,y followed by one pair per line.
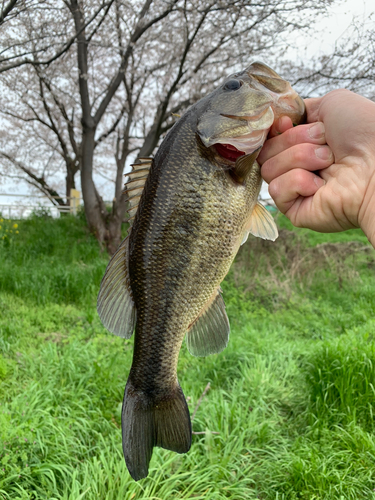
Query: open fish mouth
x,y
254,128
228,152
233,148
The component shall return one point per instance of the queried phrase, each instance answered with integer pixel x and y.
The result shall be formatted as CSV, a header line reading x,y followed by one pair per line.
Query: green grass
x,y
290,411
52,261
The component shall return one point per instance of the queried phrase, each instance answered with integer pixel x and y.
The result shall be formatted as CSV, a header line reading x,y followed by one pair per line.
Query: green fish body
x,y
194,204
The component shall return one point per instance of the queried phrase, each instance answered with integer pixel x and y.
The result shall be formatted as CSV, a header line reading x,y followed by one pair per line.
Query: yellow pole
x,y
75,197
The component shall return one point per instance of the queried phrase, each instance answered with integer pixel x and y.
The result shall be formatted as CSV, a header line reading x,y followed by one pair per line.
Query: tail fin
x,y
148,422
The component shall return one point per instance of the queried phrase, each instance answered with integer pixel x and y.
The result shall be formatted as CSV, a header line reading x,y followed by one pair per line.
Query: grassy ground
x,y
290,411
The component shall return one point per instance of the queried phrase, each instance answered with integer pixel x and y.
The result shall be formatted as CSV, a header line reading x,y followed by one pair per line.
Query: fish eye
x,y
232,85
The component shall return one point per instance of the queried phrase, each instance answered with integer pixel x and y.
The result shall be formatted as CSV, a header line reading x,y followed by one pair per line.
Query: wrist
x,y
369,230
367,222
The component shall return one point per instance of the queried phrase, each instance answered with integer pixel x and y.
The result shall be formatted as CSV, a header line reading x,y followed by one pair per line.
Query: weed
x,y
8,232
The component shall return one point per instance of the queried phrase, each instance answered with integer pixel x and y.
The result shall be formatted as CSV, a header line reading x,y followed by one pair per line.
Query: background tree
x,y
6,9
94,83
351,64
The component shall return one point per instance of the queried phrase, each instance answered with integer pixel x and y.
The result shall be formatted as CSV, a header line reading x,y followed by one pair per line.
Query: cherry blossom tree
x,y
87,85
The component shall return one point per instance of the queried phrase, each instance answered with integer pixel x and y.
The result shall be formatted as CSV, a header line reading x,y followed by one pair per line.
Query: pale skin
x,y
322,174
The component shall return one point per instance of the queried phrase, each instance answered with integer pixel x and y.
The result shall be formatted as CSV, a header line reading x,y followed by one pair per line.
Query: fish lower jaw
x,y
228,152
230,149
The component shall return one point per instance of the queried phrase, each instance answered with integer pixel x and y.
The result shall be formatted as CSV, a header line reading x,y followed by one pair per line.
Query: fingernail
x,y
277,126
319,181
323,152
317,130
280,124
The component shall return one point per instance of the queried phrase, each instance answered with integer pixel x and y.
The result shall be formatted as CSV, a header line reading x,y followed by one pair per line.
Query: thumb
x,y
312,109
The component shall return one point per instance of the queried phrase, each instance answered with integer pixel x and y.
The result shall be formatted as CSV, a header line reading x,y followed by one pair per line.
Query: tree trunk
x,y
105,225
70,182
94,207
119,207
114,228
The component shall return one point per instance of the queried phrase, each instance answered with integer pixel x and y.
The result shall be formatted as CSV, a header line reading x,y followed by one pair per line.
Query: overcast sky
x,y
330,29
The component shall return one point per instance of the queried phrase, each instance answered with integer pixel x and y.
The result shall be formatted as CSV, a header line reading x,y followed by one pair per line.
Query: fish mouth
x,y
232,148
231,136
228,152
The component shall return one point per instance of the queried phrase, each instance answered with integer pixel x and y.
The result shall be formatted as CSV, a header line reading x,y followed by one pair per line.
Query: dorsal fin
x,y
134,185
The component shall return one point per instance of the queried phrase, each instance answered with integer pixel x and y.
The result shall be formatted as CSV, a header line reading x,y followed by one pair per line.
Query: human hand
x,y
322,174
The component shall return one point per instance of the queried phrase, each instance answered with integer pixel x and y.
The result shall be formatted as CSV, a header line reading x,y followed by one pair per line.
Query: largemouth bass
x,y
191,207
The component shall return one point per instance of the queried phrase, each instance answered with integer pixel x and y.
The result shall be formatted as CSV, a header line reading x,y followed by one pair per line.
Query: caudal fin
x,y
149,422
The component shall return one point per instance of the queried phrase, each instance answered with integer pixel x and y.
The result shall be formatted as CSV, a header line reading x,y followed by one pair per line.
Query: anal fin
x,y
209,334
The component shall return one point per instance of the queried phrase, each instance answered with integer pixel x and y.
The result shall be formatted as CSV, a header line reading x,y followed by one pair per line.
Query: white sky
x,y
331,28
321,41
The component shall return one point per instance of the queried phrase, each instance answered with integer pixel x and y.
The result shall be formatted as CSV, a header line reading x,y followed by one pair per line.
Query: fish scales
x,y
192,267
194,205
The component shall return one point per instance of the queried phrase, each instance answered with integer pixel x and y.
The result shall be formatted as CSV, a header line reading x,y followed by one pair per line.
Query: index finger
x,y
302,136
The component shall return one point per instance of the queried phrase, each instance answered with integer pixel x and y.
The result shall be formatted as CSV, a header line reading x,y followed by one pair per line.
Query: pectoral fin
x,y
115,304
243,166
261,224
209,334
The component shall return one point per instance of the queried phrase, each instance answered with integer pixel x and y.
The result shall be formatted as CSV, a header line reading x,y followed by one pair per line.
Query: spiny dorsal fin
x,y
115,305
260,224
209,334
135,184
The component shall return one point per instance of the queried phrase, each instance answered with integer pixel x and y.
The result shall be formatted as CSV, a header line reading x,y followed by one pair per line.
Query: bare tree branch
x,y
139,30
5,10
39,182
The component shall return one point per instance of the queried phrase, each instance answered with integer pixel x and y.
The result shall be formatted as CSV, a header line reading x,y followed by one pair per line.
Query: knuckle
x,y
267,170
300,178
296,222
273,189
299,155
292,136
